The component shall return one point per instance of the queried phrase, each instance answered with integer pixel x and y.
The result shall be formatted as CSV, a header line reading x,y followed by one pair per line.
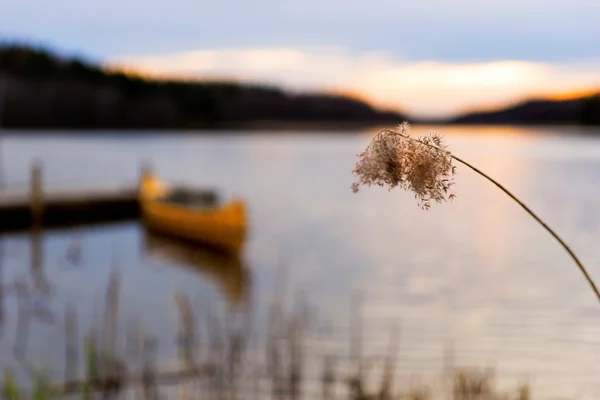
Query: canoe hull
x,y
223,226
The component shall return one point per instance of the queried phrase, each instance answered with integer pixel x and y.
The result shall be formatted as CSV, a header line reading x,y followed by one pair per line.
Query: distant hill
x,y
40,89
580,111
43,90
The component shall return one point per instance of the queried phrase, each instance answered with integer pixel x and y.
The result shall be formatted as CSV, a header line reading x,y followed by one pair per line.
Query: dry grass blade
x,y
387,378
419,392
295,359
112,368
356,336
524,392
71,343
111,312
134,338
217,351
424,166
329,377
188,339
235,357
473,385
356,382
274,356
149,375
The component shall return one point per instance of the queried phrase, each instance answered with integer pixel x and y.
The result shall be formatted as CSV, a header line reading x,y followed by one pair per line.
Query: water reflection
x,y
33,297
227,269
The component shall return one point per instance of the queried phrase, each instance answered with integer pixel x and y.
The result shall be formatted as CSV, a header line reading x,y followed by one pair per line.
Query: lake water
x,y
477,274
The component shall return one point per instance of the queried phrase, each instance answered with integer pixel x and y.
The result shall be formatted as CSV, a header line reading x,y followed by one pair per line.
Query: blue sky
x,y
526,47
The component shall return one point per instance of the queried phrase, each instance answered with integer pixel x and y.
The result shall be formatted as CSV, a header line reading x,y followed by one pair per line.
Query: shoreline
x,y
280,127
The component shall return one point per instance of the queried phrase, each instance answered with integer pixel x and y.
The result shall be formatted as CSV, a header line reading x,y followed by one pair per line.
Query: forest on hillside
x,y
579,111
42,90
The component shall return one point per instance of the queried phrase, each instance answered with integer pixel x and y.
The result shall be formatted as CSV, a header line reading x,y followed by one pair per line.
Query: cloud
x,y
424,88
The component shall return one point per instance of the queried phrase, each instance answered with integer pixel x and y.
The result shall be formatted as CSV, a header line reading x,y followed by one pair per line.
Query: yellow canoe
x,y
195,216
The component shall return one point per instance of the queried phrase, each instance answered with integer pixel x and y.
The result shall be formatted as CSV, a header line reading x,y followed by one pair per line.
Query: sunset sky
x,y
428,58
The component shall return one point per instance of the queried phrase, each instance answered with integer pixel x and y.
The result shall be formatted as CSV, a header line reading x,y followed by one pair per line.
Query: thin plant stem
x,y
515,198
538,219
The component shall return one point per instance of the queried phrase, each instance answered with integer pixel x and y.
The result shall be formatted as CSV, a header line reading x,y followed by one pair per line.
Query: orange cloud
x,y
575,94
420,88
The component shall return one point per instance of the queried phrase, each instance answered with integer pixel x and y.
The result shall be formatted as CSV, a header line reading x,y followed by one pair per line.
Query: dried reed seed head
x,y
421,165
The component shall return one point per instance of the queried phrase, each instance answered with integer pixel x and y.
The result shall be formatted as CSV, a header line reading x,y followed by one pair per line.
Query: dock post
x,y
36,200
145,172
145,169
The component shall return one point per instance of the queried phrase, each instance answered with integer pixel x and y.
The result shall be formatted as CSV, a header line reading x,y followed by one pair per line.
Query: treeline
x,y
40,89
581,111
43,90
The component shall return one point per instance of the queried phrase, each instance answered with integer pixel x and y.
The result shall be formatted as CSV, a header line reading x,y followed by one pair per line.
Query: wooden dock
x,y
35,208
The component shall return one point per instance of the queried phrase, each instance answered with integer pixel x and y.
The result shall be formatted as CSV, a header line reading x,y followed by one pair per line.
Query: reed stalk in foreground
x,y
424,166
